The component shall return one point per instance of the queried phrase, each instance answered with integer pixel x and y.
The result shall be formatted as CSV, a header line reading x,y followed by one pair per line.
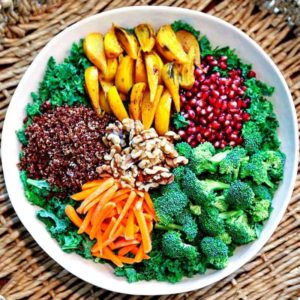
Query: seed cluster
x,y
65,146
214,106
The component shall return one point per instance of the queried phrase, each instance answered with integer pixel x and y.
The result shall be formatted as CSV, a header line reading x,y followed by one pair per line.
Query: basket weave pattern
x,y
26,272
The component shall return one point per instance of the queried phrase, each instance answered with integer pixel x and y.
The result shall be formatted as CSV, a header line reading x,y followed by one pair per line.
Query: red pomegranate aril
x,y
227,123
240,103
191,123
232,104
191,130
237,81
194,90
182,134
228,117
240,92
224,105
207,133
246,102
228,130
198,72
214,77
204,88
223,97
213,63
223,58
218,103
238,126
210,117
221,119
251,74
212,100
239,140
188,94
231,94
193,102
223,65
217,112
246,117
234,110
202,121
213,87
185,115
182,99
187,108
204,96
217,144
232,143
203,112
199,129
209,108
199,137
228,81
198,110
209,58
196,83
192,114
237,117
215,125
221,89
222,80
194,143
215,93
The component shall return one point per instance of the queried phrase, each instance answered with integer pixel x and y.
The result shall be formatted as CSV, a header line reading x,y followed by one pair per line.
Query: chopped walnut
x,y
138,157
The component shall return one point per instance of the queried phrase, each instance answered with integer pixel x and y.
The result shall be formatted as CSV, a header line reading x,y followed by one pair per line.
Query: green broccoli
x,y
215,251
225,237
257,169
200,191
252,136
210,222
189,225
231,163
262,192
275,161
260,110
174,247
184,149
240,195
220,203
260,210
179,174
204,158
238,227
170,204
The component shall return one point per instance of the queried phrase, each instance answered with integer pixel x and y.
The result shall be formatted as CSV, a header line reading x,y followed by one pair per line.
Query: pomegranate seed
x,y
193,143
223,65
186,115
218,103
210,117
215,125
223,58
222,80
224,105
221,89
193,102
199,137
191,123
237,117
191,130
214,77
228,130
188,94
213,86
238,126
222,119
240,103
194,90
215,93
232,143
217,112
232,104
231,94
187,108
213,63
209,58
234,110
207,133
203,121
192,114
209,108
182,99
198,110
212,100
217,144
190,138
240,92
198,72
203,111
251,74
246,102
246,117
227,123
223,97
204,88
182,134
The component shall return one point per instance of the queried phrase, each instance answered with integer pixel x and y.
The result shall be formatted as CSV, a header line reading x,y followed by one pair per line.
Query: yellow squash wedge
x,y
92,87
169,46
188,41
111,70
104,102
136,97
171,80
186,71
153,73
140,74
146,36
116,104
148,108
162,114
124,75
128,41
94,50
112,47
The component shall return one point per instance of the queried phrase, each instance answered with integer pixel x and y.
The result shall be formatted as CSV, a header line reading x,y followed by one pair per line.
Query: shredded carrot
x,y
92,184
98,191
86,221
126,249
149,226
121,192
100,218
119,207
139,255
108,229
120,198
144,230
134,250
114,258
149,202
83,194
126,260
129,229
123,213
123,243
72,215
114,237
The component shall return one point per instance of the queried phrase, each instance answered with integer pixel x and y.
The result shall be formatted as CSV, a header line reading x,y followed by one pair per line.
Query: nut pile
x,y
140,157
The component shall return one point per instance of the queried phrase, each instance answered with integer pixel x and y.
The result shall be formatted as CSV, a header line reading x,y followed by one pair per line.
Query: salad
x,y
152,151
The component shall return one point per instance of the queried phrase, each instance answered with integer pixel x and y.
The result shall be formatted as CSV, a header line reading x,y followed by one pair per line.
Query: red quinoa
x,y
65,146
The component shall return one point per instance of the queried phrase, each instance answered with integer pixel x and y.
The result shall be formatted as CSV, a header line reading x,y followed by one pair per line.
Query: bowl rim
x,y
174,289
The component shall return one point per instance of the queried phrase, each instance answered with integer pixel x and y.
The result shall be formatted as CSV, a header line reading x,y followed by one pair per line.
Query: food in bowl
x,y
151,151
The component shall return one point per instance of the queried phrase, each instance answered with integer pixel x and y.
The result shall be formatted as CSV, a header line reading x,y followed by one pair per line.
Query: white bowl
x,y
219,33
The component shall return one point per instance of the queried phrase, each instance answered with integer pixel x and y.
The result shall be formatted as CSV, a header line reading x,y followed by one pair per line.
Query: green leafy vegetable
x,y
179,121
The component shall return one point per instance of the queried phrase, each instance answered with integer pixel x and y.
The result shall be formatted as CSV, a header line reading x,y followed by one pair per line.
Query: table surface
x,y
26,272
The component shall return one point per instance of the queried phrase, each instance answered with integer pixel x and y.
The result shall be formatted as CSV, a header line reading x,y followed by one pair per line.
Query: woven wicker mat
x,y
26,271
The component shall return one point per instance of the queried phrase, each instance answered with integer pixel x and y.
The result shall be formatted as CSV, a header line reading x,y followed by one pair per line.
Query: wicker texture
x,y
26,272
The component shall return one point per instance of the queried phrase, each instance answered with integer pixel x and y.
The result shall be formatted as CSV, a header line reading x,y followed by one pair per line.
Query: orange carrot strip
x,y
91,184
136,229
83,194
148,217
148,210
139,255
108,207
129,229
88,206
109,254
120,198
106,197
86,221
72,215
109,227
144,230
124,212
115,236
134,250
119,207
123,243
98,244
111,246
140,194
104,226
121,192
123,251
98,191
126,260
146,256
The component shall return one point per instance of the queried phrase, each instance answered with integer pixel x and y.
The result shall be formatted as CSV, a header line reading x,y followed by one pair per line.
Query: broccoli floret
x,y
275,161
238,227
231,163
240,195
262,192
210,222
174,247
200,191
257,169
203,158
184,149
225,237
215,251
252,137
195,209
189,225
260,210
260,110
179,174
169,205
220,203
